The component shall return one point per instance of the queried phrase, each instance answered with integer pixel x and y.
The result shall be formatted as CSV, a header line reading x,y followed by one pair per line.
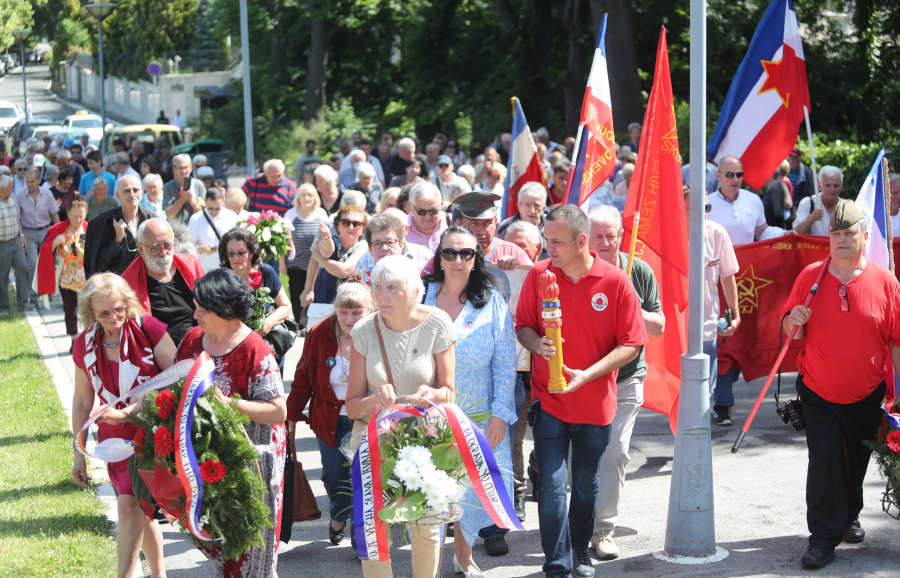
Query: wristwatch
x,y
21,234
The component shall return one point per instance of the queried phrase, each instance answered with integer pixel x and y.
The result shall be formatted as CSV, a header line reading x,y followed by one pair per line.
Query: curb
x,y
65,389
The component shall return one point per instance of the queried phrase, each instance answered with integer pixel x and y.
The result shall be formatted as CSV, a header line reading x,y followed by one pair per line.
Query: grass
x,y
49,526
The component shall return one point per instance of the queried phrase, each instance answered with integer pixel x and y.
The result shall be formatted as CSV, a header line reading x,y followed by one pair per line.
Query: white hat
x,y
37,161
205,172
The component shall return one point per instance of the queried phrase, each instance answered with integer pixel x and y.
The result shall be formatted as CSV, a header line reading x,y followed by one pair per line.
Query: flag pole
x,y
887,213
634,233
812,156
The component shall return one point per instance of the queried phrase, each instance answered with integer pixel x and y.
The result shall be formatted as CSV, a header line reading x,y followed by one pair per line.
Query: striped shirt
x,y
9,227
265,197
305,231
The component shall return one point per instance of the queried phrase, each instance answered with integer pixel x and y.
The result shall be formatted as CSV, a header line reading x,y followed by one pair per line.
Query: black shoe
x,y
451,530
535,483
496,547
520,506
582,567
721,415
854,534
336,536
818,557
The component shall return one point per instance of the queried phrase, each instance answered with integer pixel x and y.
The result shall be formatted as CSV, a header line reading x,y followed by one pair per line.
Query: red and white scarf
x,y
136,361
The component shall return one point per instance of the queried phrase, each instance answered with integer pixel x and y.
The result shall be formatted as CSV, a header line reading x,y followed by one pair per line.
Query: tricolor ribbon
x,y
893,418
199,380
477,457
118,449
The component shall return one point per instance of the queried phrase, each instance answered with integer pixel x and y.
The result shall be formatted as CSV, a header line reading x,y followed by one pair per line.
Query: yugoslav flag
x,y
874,201
525,164
761,116
595,145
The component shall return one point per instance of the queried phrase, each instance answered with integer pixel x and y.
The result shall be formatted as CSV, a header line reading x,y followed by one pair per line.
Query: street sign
x,y
154,68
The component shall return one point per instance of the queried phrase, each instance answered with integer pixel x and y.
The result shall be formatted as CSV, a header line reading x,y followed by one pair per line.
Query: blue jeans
x,y
12,256
494,531
711,349
563,530
335,474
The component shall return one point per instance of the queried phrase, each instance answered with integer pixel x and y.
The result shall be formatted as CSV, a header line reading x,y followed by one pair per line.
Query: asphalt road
x,y
759,493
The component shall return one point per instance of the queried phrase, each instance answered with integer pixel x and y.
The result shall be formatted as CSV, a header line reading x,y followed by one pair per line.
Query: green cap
x,y
478,205
845,215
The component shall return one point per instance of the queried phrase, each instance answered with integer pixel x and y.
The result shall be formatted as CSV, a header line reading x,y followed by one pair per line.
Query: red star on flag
x,y
784,75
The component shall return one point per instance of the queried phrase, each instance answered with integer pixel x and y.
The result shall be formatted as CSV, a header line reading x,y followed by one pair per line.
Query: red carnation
x,y
165,403
893,441
255,280
139,438
163,440
148,509
212,471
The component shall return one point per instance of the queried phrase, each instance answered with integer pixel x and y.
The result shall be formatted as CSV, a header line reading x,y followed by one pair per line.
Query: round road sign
x,y
154,68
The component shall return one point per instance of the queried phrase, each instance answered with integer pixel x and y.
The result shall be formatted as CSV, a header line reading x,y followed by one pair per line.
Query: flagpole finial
x,y
513,102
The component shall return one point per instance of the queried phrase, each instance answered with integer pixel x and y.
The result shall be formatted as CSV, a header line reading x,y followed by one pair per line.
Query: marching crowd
x,y
151,269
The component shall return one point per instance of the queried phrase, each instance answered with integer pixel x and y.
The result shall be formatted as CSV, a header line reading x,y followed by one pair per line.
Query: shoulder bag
x,y
299,501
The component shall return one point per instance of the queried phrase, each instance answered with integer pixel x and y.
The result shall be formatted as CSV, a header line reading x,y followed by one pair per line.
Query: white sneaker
x,y
603,543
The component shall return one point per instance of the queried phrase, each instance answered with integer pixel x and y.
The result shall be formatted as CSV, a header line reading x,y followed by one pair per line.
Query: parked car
x,y
9,114
90,123
16,134
146,133
212,148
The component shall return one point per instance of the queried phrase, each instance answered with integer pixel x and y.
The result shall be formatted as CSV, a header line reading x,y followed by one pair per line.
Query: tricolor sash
x,y
478,459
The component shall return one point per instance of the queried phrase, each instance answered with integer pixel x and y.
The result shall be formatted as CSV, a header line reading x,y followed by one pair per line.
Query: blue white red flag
x,y
525,164
595,145
874,202
761,116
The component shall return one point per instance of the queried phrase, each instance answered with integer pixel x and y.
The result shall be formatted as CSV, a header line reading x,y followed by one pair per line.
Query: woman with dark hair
x,y
239,251
63,191
246,367
414,169
322,377
337,258
463,288
148,167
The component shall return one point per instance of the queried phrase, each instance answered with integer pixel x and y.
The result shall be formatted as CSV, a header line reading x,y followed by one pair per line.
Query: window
x,y
8,113
87,123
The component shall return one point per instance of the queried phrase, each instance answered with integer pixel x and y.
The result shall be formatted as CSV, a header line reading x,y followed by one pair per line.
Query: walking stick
x,y
787,344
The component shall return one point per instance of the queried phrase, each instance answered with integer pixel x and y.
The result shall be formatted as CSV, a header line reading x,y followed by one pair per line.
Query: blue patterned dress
x,y
485,381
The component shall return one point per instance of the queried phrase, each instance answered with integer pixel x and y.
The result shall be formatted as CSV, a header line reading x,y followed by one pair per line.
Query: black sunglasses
x,y
730,175
423,212
443,166
708,207
451,254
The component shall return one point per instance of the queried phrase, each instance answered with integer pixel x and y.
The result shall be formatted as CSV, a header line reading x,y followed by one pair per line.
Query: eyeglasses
x,y
155,248
708,207
423,212
206,178
213,210
117,311
21,170
845,303
351,224
443,166
730,175
451,254
236,254
379,245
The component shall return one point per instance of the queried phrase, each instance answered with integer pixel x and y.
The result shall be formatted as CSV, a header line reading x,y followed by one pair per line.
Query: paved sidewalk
x,y
759,503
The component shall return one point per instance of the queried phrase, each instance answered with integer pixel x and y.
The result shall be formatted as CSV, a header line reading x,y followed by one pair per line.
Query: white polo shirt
x,y
204,235
741,218
820,227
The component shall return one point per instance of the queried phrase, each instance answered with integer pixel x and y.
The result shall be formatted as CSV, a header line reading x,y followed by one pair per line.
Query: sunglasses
x,y
155,248
117,311
235,254
423,212
708,207
21,170
443,166
211,210
352,224
206,178
845,303
451,254
730,175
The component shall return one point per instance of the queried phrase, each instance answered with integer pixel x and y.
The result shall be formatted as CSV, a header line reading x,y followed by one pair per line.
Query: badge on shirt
x,y
599,302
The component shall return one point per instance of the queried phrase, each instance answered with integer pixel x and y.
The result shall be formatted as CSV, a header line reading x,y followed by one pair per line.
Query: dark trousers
x,y
296,283
838,460
336,473
70,309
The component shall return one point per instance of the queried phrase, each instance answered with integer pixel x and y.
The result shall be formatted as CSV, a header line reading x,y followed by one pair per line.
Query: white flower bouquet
x,y
273,233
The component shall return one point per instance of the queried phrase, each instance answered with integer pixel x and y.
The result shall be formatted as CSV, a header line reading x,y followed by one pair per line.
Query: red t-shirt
x,y
843,355
599,312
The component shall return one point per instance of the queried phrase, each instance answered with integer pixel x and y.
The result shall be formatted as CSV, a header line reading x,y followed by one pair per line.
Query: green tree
x,y
16,15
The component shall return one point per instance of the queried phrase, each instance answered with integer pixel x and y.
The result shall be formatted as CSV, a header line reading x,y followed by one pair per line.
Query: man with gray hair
x,y
270,190
64,161
162,279
814,212
634,129
605,240
110,243
181,193
12,249
406,153
121,166
347,176
532,201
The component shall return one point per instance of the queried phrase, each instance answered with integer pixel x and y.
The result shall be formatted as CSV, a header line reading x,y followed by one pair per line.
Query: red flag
x,y
656,194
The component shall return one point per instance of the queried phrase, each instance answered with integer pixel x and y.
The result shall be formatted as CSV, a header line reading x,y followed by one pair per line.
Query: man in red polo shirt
x,y
851,324
603,329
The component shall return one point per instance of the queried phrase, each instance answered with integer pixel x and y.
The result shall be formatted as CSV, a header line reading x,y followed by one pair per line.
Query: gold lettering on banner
x,y
748,286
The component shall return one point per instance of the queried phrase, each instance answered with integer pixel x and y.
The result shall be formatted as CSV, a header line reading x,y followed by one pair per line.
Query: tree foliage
x,y
14,15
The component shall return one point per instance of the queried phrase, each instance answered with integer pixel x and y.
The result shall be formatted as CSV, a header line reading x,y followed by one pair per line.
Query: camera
x,y
792,412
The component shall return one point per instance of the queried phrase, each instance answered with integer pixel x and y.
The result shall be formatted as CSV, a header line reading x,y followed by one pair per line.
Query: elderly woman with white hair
x,y
368,184
419,343
270,190
532,201
329,192
153,193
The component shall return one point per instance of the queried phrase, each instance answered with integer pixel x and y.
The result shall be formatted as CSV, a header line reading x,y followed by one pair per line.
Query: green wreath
x,y
233,508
